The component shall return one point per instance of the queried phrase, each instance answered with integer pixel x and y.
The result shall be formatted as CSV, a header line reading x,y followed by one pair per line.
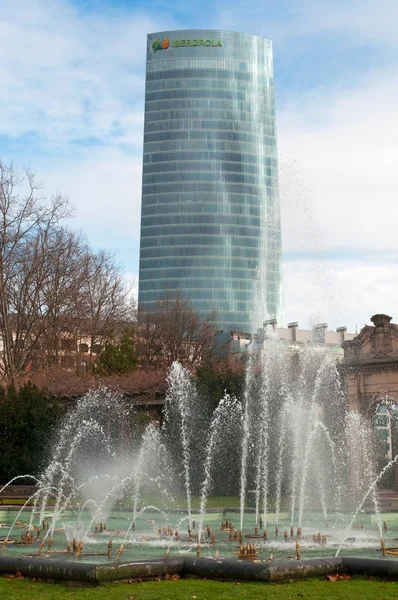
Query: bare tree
x,y
25,217
54,290
175,330
107,305
59,295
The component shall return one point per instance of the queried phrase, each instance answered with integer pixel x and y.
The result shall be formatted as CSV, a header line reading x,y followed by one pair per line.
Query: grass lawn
x,y
361,589
216,502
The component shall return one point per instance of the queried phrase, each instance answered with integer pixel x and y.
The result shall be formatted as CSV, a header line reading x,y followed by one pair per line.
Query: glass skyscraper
x,y
210,222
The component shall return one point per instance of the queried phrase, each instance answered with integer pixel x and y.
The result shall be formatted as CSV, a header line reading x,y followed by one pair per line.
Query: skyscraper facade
x,y
210,221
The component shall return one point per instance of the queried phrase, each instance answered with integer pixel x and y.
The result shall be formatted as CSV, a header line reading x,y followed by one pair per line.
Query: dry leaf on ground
x,y
338,577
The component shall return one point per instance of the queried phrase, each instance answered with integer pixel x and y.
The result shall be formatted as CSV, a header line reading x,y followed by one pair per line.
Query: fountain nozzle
x,y
298,550
79,550
119,552
285,535
40,548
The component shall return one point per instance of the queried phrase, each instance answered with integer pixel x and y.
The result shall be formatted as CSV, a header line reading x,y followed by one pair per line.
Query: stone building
x,y
370,365
237,344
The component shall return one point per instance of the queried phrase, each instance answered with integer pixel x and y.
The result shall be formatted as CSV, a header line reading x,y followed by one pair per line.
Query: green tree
x,y
117,359
216,379
28,417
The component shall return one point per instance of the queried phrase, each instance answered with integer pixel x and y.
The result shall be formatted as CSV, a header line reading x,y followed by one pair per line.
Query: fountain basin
x,y
145,543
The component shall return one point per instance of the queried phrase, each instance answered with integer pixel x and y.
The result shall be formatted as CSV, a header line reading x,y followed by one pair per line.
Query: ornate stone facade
x,y
370,365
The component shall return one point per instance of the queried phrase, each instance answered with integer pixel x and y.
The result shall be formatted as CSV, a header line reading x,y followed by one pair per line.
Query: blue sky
x,y
72,77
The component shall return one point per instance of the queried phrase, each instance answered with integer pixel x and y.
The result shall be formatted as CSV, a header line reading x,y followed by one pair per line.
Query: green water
x,y
145,543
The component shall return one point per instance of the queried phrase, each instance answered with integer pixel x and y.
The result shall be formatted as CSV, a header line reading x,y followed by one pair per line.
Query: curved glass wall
x,y
210,221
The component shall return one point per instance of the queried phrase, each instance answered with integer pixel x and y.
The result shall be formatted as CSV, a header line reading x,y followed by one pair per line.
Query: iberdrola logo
x,y
158,45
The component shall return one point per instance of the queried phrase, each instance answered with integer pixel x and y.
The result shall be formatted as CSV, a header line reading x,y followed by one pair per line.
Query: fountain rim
x,y
222,569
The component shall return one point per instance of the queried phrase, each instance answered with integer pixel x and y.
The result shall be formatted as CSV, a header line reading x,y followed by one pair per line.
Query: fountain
x,y
107,499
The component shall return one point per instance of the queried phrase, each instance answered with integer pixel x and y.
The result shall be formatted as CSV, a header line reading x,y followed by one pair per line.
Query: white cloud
x,y
72,76
347,144
346,293
370,22
74,109
355,22
105,187
339,196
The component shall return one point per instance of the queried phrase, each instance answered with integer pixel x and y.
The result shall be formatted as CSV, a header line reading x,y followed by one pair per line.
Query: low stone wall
x,y
90,573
